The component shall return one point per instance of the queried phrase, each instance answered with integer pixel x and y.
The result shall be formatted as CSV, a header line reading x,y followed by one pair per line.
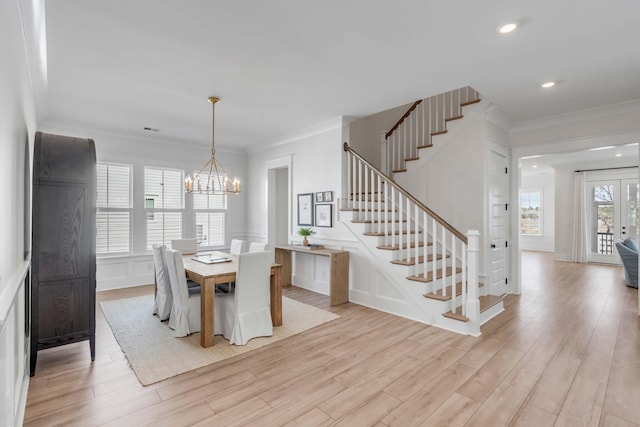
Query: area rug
x,y
155,354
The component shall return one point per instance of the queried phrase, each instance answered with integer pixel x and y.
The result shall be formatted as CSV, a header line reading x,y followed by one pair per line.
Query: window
x,y
531,213
113,217
210,214
164,203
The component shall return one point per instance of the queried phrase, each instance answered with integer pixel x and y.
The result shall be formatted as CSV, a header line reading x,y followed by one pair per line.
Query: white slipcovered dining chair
x,y
257,247
185,246
185,314
164,298
236,247
246,313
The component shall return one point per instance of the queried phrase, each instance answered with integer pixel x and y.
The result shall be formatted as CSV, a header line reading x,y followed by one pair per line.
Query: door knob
x,y
493,246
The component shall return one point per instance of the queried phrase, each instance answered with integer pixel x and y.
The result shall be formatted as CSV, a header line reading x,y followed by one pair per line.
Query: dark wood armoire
x,y
63,279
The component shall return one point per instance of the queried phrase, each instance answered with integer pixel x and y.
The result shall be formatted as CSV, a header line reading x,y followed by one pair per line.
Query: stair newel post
x,y
463,258
379,203
406,228
473,303
348,179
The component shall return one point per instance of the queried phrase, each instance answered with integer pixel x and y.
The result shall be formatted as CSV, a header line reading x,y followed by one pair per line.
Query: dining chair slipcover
x,y
185,246
185,315
246,312
236,247
257,247
164,298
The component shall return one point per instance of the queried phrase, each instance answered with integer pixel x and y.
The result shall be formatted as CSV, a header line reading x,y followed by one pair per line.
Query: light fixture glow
x,y
548,84
607,147
507,28
618,155
217,180
531,157
534,166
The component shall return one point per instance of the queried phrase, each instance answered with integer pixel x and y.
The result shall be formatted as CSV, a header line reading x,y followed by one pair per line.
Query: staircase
x,y
432,265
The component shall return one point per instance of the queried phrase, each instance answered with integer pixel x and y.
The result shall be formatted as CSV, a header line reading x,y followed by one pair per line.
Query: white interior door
x,y
498,202
613,215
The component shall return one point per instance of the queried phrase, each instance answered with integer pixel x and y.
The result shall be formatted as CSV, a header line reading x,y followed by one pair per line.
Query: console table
x,y
339,274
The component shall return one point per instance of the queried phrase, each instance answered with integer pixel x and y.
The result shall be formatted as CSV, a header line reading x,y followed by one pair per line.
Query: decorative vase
x,y
305,241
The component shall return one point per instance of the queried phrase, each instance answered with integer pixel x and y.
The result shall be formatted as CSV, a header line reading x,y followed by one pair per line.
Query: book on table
x,y
210,258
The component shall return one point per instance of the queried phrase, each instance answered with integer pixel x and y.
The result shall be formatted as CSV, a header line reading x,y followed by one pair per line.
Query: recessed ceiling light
x,y
507,28
548,84
618,155
534,166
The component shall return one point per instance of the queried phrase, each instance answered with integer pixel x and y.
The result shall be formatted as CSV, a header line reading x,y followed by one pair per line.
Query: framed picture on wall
x,y
319,197
305,209
324,215
328,196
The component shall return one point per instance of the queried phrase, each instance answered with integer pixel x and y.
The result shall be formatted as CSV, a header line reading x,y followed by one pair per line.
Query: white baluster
x,y
434,251
416,248
360,166
454,282
379,203
425,247
407,227
400,217
364,195
444,261
348,177
393,218
386,208
473,304
354,182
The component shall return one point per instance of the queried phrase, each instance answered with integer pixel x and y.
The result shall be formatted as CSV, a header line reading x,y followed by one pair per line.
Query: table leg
x,y
276,296
207,305
283,257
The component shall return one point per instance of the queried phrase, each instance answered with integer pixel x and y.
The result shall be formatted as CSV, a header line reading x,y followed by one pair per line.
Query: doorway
x,y
278,202
613,215
497,255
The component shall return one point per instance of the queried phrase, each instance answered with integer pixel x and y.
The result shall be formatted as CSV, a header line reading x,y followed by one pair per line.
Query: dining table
x,y
210,275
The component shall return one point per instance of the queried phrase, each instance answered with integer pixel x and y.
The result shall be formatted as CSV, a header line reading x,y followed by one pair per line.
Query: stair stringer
x,y
418,308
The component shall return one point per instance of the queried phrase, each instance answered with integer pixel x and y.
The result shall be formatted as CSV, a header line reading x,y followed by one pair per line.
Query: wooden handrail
x,y
408,195
399,122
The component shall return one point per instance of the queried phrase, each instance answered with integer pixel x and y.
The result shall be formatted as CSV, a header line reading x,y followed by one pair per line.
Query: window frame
x,y
151,213
540,212
224,210
108,209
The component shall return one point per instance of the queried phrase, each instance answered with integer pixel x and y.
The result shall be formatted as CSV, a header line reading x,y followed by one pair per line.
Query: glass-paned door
x,y
613,216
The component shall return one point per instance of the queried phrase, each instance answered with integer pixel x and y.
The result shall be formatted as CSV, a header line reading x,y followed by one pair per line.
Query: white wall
x,y
546,184
365,132
17,129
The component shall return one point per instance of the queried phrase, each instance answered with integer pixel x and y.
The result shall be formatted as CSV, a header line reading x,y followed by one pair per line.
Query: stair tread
x,y
404,246
411,261
390,233
447,295
399,170
449,119
486,302
440,132
473,101
372,221
425,146
420,277
410,159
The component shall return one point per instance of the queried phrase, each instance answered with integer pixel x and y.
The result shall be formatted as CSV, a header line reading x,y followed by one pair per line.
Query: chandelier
x,y
217,181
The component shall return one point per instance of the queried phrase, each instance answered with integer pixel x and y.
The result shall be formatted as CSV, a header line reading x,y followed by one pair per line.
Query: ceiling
x,y
285,65
605,157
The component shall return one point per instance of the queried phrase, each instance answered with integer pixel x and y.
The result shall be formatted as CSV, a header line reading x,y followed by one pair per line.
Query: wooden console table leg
x,y
283,257
339,278
276,296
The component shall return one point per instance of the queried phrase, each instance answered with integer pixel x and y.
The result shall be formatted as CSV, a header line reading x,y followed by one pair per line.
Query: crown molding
x,y
332,124
578,116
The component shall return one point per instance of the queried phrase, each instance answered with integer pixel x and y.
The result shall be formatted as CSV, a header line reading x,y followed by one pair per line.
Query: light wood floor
x,y
565,353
